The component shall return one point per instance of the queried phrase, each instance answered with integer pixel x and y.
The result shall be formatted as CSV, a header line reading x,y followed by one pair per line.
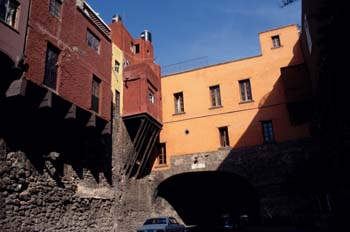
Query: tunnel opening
x,y
202,198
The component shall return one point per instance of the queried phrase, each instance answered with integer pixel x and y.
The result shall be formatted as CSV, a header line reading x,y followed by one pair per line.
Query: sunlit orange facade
x,y
234,104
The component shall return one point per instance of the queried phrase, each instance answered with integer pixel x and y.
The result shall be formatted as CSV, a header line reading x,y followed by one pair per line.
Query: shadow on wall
x,y
290,95
50,141
273,183
285,168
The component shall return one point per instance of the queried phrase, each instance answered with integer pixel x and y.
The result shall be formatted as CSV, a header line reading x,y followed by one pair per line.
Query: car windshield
x,y
155,221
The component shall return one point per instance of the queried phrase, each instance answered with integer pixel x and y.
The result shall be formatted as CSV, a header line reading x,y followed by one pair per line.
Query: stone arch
x,y
200,198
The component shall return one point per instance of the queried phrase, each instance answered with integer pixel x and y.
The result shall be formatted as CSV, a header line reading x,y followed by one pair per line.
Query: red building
x,y
13,26
142,112
69,54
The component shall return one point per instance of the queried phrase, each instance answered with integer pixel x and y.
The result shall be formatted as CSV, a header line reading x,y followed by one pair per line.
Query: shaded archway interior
x,y
200,198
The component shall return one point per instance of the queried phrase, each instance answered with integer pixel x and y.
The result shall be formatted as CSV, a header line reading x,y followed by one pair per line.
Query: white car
x,y
161,224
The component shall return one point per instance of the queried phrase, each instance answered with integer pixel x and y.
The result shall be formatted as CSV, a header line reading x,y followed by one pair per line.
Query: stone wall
x,y
57,176
36,200
279,173
85,189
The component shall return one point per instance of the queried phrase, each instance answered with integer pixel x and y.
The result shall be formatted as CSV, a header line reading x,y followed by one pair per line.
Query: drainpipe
x,y
22,65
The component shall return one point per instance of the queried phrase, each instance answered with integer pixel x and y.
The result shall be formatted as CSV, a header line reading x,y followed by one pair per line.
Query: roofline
x,y
97,15
277,28
232,61
210,66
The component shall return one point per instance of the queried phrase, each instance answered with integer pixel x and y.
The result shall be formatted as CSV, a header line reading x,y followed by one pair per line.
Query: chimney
x,y
146,35
116,18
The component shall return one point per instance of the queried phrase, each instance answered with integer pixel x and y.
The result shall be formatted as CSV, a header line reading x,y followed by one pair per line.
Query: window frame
x,y
215,96
245,90
93,41
116,66
276,41
162,156
224,137
55,7
151,96
51,66
10,18
179,103
268,131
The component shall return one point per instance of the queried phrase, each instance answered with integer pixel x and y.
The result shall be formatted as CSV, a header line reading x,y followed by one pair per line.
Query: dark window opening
x,y
276,42
224,138
9,11
92,40
215,95
246,93
95,94
137,48
162,154
179,103
116,66
51,66
268,131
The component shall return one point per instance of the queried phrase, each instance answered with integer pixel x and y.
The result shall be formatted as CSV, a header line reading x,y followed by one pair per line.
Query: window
x,y
179,103
92,41
308,34
151,97
276,43
55,7
132,47
117,102
95,94
246,93
137,48
162,155
224,139
126,63
215,95
51,67
8,11
267,131
116,66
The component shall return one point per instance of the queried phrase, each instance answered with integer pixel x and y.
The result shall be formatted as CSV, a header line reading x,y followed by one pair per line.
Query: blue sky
x,y
220,30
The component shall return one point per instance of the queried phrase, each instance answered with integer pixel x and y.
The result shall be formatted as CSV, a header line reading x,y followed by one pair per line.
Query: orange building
x,y
235,104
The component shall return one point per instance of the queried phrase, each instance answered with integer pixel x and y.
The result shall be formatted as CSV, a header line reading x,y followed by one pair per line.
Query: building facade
x,y
55,121
235,104
117,79
142,102
323,52
69,52
13,28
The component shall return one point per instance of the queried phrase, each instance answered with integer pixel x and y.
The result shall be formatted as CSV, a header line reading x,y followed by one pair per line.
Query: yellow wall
x,y
242,119
117,78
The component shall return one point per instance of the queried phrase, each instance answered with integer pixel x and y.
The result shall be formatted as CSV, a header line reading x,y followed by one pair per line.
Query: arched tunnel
x,y
200,198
